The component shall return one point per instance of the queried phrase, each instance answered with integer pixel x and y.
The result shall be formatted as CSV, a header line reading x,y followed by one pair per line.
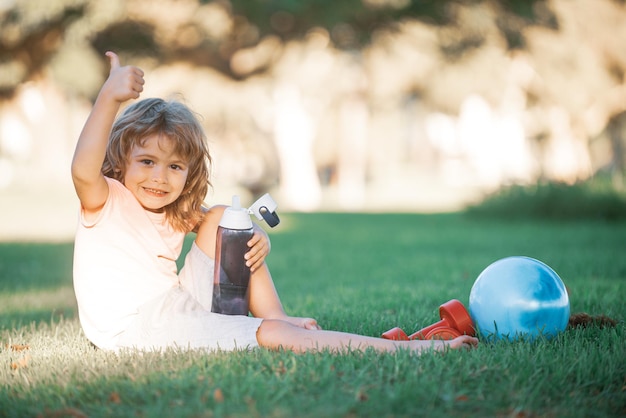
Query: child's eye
x,y
146,162
176,167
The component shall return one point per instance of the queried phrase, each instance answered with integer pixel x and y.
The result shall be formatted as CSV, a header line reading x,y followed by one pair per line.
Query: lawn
x,y
361,273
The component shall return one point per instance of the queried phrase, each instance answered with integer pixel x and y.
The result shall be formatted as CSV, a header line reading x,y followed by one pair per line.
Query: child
x,y
141,181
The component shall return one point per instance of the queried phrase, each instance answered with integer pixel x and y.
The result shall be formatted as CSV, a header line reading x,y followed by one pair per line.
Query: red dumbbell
x,y
396,334
455,321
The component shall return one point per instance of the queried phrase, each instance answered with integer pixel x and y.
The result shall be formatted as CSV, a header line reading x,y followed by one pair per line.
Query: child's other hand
x,y
310,323
124,83
306,323
259,249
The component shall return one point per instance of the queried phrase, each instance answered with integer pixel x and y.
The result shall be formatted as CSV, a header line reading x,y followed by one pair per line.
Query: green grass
x,y
354,272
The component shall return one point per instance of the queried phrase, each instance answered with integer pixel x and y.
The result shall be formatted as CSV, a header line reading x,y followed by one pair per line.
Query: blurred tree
x,y
31,33
34,32
352,22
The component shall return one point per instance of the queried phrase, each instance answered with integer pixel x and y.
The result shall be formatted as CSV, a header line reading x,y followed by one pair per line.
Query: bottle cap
x,y
236,217
265,209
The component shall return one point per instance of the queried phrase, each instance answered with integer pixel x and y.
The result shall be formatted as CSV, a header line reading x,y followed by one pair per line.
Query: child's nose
x,y
159,175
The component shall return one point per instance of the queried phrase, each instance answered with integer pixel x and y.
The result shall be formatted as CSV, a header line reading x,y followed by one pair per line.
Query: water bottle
x,y
231,276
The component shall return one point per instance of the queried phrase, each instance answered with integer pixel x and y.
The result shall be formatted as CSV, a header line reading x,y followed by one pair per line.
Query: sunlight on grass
x,y
61,298
21,308
358,273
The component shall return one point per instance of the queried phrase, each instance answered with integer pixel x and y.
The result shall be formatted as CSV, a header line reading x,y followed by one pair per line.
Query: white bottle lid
x,y
236,217
266,202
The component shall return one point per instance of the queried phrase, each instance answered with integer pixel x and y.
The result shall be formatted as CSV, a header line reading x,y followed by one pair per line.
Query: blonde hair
x,y
179,124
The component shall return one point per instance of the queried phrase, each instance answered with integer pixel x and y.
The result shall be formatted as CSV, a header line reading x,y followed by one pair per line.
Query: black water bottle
x,y
231,276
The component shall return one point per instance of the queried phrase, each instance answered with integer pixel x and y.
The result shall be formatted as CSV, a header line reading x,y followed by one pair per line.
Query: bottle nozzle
x,y
236,217
236,205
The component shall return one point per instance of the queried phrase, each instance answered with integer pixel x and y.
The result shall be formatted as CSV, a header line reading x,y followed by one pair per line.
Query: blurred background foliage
x,y
418,105
209,33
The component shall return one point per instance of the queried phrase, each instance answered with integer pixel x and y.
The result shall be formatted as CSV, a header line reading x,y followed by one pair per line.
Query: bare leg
x,y
264,299
277,334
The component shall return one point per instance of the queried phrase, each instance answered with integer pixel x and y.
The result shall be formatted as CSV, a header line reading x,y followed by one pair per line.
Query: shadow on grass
x,y
14,320
41,266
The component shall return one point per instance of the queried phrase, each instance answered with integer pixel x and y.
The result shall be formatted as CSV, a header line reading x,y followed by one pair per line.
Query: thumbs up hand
x,y
124,83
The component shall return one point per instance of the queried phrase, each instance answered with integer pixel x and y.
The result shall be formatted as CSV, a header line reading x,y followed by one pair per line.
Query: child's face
x,y
155,173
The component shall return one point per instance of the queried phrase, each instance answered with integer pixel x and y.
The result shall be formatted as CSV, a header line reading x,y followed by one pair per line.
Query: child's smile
x,y
155,173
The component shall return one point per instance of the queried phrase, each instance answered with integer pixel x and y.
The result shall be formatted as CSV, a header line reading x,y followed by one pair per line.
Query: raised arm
x,y
123,83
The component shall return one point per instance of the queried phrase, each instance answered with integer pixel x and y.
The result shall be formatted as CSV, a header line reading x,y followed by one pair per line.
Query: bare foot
x,y
463,342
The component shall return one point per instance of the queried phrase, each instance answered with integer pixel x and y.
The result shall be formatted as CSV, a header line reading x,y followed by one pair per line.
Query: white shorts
x,y
182,316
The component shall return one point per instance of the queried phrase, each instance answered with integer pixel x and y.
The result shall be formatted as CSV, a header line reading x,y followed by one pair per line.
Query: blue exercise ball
x,y
519,297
